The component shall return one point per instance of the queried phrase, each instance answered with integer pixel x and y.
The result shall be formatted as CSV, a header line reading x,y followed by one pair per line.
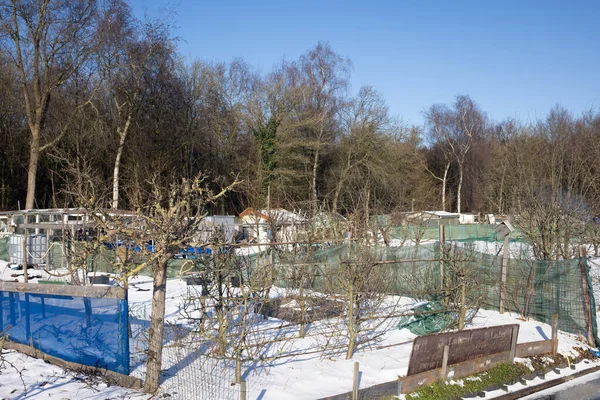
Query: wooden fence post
x,y
504,273
355,381
25,272
554,333
48,249
513,343
587,302
444,370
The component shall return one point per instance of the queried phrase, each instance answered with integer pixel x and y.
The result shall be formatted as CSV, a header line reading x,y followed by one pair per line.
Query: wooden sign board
x,y
428,350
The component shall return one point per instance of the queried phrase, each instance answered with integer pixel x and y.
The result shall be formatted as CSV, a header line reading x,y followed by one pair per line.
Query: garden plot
x,y
290,367
311,367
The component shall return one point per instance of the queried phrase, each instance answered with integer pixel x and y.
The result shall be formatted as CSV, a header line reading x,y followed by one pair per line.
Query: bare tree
x,y
437,119
454,130
47,41
171,218
129,57
554,188
365,123
469,122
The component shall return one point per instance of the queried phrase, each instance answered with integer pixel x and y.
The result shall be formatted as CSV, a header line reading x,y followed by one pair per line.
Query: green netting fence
x,y
538,289
534,289
103,262
452,232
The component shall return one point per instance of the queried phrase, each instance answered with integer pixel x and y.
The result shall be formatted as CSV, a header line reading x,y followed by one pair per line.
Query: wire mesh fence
x,y
193,375
188,372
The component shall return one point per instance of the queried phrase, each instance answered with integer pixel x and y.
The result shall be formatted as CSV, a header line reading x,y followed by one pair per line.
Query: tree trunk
x,y
444,182
314,182
460,182
157,327
3,196
122,137
336,196
340,184
34,156
463,307
501,197
302,300
351,322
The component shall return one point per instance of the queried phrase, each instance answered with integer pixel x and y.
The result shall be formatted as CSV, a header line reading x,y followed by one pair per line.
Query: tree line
x,y
94,100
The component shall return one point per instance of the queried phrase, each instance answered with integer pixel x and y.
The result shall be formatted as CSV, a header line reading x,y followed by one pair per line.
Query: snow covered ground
x,y
308,376
23,377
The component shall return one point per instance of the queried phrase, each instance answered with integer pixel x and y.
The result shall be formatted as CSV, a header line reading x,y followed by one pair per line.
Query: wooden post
x,y
444,370
462,315
62,248
513,343
587,302
505,255
243,390
48,249
355,381
442,242
72,242
554,333
24,261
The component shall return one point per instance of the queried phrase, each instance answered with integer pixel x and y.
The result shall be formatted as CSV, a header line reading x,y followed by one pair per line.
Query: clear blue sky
x,y
515,58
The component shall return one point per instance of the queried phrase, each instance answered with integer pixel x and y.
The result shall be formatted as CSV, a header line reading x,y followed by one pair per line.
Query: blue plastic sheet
x,y
88,331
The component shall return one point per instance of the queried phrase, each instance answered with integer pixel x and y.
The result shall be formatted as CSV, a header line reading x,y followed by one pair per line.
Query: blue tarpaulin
x,y
88,331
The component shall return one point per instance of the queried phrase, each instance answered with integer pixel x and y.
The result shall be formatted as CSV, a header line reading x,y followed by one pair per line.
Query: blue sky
x,y
516,59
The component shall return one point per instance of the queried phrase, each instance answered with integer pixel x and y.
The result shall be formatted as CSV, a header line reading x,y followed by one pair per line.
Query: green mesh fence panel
x,y
4,248
104,261
451,232
314,265
59,260
534,289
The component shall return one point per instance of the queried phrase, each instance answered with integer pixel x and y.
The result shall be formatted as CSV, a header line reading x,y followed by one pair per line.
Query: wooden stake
x,y
24,261
62,249
355,381
48,249
444,370
463,307
513,343
554,333
505,255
